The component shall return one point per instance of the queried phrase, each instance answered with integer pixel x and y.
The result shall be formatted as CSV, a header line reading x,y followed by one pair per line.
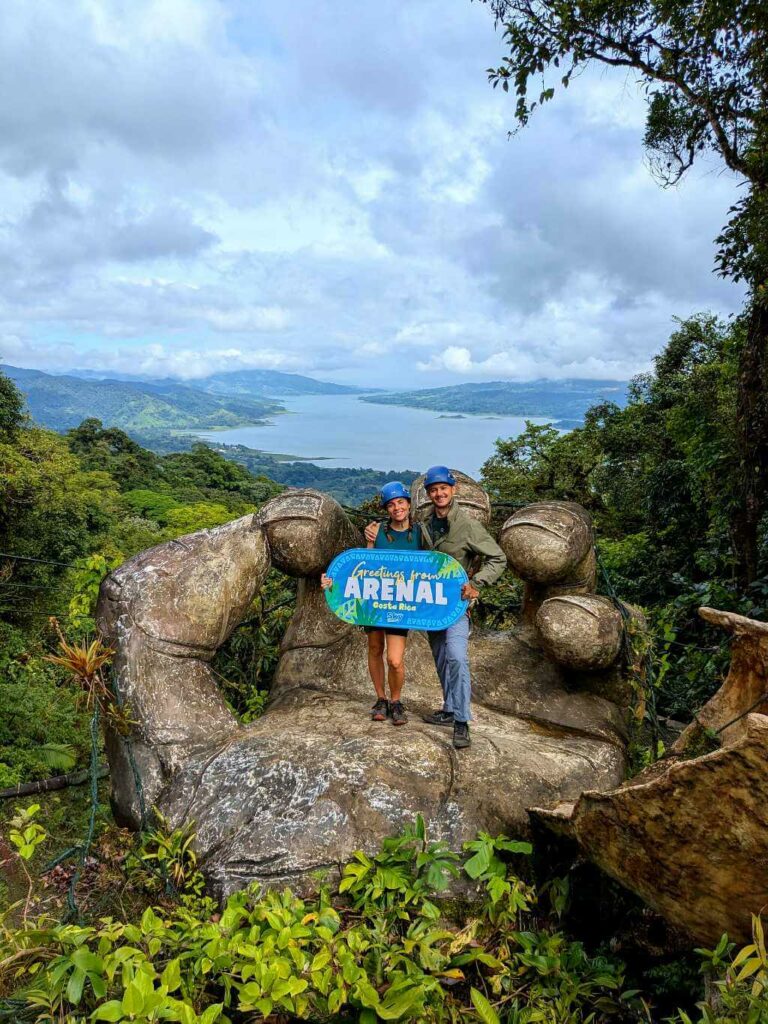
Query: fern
x,y
60,757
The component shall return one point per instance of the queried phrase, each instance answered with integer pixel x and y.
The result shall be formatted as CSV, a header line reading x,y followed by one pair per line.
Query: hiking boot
x,y
397,711
461,735
439,718
380,710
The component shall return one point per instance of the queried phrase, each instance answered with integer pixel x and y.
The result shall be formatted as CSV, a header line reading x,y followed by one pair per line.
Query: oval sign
x,y
396,589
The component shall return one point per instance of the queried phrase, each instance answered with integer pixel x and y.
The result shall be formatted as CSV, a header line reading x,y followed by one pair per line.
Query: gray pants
x,y
451,654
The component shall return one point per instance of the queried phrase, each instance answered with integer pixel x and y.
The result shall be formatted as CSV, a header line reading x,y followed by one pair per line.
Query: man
x,y
447,527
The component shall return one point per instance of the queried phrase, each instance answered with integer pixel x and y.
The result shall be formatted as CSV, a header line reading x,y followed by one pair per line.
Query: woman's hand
x,y
371,533
326,582
469,593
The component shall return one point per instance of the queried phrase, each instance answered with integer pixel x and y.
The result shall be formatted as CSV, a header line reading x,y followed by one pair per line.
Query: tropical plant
x,y
378,952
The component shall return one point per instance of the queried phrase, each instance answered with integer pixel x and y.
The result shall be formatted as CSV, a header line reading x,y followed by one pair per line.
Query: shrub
x,y
380,951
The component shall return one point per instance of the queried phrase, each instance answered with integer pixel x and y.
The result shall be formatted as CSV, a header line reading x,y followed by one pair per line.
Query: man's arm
x,y
371,533
494,561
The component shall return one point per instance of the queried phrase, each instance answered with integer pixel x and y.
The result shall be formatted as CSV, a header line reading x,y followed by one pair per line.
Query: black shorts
x,y
389,630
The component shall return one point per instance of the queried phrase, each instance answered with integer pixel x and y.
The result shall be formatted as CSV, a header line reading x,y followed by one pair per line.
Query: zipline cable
x,y
42,561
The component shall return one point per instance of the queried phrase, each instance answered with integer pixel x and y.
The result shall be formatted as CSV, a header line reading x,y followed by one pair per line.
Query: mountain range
x,y
273,383
62,402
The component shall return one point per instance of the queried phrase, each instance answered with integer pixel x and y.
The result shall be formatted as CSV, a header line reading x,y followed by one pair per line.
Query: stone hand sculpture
x,y
298,790
690,834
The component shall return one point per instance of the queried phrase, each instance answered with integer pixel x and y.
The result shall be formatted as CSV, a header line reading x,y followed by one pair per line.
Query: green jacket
x,y
466,539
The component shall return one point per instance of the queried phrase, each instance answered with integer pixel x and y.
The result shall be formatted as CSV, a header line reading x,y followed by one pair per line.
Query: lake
x,y
342,431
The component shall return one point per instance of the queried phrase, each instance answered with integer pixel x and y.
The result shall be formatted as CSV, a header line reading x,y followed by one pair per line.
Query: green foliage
x,y
406,873
59,757
150,504
11,409
739,983
499,605
25,833
246,663
84,582
378,952
165,861
39,714
202,515
49,509
112,450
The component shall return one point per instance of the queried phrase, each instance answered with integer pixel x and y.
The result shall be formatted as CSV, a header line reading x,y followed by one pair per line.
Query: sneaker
x,y
461,735
380,710
439,718
397,711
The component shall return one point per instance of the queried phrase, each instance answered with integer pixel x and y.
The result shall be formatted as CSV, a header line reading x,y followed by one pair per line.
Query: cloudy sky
x,y
190,186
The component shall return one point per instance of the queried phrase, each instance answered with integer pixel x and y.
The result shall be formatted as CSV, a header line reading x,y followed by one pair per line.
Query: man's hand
x,y
469,593
371,532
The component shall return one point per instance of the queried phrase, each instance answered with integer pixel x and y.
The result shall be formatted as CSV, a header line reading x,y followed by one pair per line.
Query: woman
x,y
400,533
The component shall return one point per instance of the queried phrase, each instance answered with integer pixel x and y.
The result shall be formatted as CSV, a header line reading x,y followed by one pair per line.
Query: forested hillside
x,y
565,401
62,402
270,383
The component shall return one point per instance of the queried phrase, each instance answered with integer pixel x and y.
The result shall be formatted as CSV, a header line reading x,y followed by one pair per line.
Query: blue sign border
x,y
436,567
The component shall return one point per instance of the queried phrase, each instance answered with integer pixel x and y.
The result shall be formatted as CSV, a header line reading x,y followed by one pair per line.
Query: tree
x,y
704,67
659,477
11,409
112,450
50,509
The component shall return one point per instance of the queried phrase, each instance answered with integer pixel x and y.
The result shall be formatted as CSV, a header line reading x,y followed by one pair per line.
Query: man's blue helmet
x,y
439,475
394,490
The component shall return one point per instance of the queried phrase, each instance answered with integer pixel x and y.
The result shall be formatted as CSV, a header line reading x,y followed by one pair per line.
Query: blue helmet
x,y
393,490
439,475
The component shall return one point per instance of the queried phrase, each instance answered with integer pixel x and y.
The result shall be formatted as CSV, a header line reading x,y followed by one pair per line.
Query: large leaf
x,y
75,986
479,862
111,1011
485,1011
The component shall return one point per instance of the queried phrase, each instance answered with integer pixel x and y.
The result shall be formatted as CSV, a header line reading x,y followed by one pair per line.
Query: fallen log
x,y
53,783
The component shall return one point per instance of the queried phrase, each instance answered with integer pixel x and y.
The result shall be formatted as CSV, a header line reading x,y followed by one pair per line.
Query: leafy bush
x,y
738,984
39,713
380,951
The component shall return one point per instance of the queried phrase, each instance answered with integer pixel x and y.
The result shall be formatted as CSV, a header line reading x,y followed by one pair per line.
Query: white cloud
x,y
200,183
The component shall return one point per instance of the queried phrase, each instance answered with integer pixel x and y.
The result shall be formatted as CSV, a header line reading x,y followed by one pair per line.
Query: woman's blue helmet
x,y
439,475
393,490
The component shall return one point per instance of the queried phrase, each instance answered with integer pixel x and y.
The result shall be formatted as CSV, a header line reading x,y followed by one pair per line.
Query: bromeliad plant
x,y
86,664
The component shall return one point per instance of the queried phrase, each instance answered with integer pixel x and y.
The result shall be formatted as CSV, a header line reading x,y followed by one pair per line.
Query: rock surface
x,y
691,836
314,779
691,841
580,630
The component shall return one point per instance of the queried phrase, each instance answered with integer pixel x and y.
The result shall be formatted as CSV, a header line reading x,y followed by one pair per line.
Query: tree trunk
x,y
752,436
